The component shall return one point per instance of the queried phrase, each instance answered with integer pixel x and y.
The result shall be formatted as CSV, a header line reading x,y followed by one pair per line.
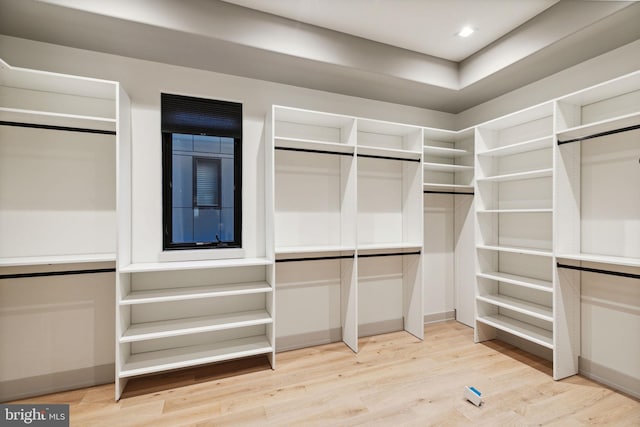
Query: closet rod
x,y
52,127
596,135
319,258
597,270
446,192
389,254
372,156
56,273
308,150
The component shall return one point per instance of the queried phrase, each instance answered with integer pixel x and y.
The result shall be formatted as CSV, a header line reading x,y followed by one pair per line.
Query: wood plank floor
x,y
394,380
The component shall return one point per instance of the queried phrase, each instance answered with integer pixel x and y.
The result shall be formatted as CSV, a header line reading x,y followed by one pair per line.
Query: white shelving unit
x,y
58,138
390,176
597,207
517,295
448,160
179,314
313,205
337,177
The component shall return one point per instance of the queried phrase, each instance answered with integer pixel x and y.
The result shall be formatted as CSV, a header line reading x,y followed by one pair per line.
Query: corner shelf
x,y
443,167
434,150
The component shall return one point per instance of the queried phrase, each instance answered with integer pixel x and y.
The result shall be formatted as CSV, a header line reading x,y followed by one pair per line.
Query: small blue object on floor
x,y
473,395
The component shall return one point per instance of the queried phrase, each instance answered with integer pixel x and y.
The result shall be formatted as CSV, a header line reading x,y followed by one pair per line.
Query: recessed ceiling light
x,y
465,31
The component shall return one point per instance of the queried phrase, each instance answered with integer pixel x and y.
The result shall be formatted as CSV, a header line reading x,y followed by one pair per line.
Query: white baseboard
x,y
609,377
439,317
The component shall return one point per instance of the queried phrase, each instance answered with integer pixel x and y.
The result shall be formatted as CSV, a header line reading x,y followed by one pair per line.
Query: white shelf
x,y
540,173
388,152
162,360
292,250
603,259
521,306
527,282
57,119
524,330
56,259
308,117
195,325
389,246
309,144
192,265
508,211
444,151
599,126
446,167
517,250
438,186
521,147
196,292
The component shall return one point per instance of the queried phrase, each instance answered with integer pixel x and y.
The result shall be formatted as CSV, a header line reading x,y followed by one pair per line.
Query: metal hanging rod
x,y
599,134
446,192
319,258
62,128
599,271
308,150
56,273
372,156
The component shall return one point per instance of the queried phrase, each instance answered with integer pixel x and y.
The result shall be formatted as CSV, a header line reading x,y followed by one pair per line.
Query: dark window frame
x,y
167,178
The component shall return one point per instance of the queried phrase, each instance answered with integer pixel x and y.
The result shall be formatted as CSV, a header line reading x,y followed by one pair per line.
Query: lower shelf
x,y
175,327
524,330
519,305
163,360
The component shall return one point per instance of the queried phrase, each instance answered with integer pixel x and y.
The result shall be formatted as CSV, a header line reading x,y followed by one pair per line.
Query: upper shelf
x,y
313,145
520,147
57,83
592,130
148,267
444,151
45,118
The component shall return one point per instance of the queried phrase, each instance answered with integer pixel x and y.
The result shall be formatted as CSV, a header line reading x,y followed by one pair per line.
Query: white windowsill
x,y
201,254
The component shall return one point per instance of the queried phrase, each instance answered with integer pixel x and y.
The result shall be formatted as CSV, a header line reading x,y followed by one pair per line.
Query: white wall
x,y
90,332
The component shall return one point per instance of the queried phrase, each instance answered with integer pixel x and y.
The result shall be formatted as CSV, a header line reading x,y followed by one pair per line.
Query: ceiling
x,y
424,26
400,51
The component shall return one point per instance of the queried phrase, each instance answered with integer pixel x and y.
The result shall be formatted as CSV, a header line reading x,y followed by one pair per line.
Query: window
x,y
202,173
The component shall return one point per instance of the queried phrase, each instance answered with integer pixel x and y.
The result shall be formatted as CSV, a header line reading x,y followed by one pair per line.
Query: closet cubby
x,y
317,300
179,314
448,160
314,181
389,203
58,142
598,153
385,139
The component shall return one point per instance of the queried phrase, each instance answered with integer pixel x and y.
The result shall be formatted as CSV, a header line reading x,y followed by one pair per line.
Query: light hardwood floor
x,y
394,380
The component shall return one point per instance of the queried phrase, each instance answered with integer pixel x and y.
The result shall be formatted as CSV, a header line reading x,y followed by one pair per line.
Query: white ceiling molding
x,y
226,38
